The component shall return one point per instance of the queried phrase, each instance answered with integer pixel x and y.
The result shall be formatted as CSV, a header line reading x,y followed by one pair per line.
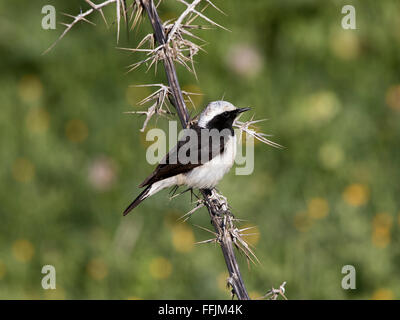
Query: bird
x,y
201,157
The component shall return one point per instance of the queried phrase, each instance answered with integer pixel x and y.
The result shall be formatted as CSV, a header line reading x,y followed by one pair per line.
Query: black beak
x,y
240,110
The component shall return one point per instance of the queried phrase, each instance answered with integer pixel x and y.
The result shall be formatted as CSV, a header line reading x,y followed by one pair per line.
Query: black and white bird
x,y
210,158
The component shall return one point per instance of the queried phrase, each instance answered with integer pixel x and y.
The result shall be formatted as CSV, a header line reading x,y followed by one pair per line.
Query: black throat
x,y
222,121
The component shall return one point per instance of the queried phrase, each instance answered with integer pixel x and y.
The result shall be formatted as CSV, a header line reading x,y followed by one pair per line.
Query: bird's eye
x,y
226,114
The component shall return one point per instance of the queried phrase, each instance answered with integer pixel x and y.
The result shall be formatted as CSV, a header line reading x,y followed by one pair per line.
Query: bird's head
x,y
219,115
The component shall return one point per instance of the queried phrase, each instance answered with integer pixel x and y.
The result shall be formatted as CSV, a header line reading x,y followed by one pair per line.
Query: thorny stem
x,y
215,209
177,97
225,240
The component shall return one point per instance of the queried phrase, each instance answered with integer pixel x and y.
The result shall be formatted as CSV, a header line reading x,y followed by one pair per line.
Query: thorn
x,y
206,241
205,229
187,215
215,7
244,229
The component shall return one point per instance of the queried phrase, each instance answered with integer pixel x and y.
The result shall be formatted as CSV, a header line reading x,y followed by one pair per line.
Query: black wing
x,y
171,166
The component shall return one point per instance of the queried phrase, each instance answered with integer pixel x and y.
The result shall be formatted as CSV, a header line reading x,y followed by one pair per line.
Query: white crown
x,y
214,108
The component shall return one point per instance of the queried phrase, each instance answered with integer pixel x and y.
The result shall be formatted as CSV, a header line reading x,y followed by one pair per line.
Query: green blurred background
x,y
71,159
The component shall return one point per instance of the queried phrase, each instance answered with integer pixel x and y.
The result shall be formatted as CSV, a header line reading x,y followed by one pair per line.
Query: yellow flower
x,y
182,238
381,226
318,208
356,194
160,268
383,220
23,250
383,294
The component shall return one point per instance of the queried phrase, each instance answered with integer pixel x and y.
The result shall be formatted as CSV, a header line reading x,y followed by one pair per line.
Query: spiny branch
x,y
216,208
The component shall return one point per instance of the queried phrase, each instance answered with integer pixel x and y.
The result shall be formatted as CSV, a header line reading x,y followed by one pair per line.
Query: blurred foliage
x,y
72,160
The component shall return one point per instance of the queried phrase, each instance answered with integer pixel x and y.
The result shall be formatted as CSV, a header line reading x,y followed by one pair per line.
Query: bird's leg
x,y
192,193
173,191
176,195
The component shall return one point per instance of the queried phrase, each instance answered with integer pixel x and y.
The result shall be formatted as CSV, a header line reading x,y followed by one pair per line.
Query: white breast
x,y
209,174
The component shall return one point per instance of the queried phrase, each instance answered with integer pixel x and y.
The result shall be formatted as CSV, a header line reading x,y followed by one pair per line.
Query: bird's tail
x,y
143,195
149,191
